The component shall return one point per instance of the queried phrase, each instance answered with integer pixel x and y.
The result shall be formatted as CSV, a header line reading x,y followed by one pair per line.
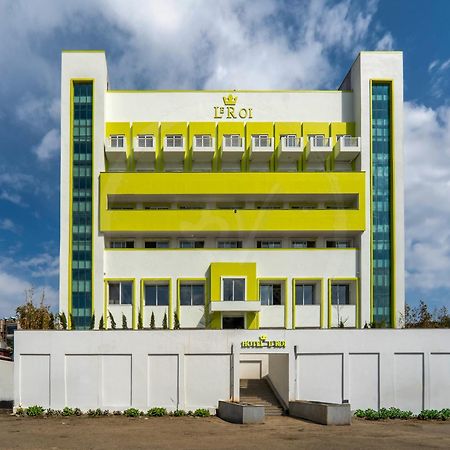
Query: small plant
x,y
35,411
63,320
176,322
429,414
113,322
92,324
124,322
445,414
117,413
77,412
157,412
72,322
152,321
179,413
164,322
97,412
101,324
140,324
68,411
132,412
53,412
201,412
20,411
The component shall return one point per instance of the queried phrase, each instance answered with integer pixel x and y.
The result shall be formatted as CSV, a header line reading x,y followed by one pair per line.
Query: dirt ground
x,y
213,433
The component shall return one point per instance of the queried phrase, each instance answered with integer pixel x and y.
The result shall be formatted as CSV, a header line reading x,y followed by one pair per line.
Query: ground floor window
x,y
192,294
233,289
304,294
156,294
233,322
270,294
340,294
120,292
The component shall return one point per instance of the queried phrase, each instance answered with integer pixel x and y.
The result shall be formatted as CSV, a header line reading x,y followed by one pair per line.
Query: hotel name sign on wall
x,y
231,111
263,342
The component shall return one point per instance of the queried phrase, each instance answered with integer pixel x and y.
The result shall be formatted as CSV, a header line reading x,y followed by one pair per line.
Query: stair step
x,y
259,393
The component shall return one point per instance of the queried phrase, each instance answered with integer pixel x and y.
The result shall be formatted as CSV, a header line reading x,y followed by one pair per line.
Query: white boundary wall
x,y
409,369
6,381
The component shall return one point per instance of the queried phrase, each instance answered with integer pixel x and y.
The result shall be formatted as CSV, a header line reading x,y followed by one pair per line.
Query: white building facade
x,y
232,209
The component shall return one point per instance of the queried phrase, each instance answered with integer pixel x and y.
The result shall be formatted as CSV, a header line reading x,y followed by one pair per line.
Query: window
x,y
120,293
156,244
145,140
339,244
303,244
192,294
117,140
233,289
317,140
203,140
156,207
303,206
192,206
290,140
232,140
156,294
233,322
270,294
229,244
121,244
268,206
268,244
261,140
192,244
174,140
304,294
340,294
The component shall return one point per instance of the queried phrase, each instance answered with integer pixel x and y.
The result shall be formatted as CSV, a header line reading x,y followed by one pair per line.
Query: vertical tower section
x,y
83,88
383,255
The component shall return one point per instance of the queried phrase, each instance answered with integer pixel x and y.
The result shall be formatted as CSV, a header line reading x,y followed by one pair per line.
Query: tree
x,y
140,324
113,322
164,322
176,322
32,317
92,324
63,320
421,317
124,322
152,321
101,324
72,322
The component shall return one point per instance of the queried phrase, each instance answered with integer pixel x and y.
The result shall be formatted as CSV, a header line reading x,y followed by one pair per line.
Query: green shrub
x,y
179,413
35,411
68,411
117,413
132,412
20,411
429,414
53,412
97,412
445,414
157,412
201,412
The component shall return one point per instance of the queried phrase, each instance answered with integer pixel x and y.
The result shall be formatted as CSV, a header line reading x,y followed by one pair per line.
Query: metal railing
x,y
232,141
320,141
349,141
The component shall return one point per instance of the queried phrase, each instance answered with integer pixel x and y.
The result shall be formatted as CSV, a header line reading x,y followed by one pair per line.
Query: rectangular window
x,y
156,244
156,207
269,206
261,140
121,244
270,294
303,244
120,293
290,140
318,140
346,243
304,294
203,140
156,294
229,244
232,140
145,140
117,140
233,289
191,206
174,140
192,294
340,294
192,244
268,244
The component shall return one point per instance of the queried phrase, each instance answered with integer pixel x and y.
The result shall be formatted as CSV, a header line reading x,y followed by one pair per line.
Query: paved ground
x,y
213,433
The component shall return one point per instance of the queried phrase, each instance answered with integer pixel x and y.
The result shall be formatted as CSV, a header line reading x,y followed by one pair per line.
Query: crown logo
x,y
230,100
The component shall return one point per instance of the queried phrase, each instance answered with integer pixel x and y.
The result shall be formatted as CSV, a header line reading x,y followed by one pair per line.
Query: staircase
x,y
258,392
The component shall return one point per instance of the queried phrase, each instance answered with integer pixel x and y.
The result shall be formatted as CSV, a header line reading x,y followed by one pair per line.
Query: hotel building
x,y
232,209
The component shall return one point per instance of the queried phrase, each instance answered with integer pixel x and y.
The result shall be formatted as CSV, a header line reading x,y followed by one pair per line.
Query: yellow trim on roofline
x,y
175,91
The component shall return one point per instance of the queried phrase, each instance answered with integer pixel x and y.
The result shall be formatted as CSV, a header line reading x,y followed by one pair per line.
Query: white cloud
x,y
385,43
427,185
49,146
7,225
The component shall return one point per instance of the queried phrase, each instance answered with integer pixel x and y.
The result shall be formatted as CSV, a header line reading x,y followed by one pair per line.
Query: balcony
x,y
232,149
290,152
116,149
174,151
261,149
144,149
347,149
203,149
234,306
318,149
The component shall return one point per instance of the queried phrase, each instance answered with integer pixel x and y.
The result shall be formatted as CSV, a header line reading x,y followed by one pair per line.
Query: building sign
x,y
263,342
231,111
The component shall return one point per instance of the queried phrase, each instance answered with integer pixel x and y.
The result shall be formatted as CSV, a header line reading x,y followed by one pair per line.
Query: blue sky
x,y
221,44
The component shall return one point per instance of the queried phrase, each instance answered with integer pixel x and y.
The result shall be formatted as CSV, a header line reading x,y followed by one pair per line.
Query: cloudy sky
x,y
217,44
